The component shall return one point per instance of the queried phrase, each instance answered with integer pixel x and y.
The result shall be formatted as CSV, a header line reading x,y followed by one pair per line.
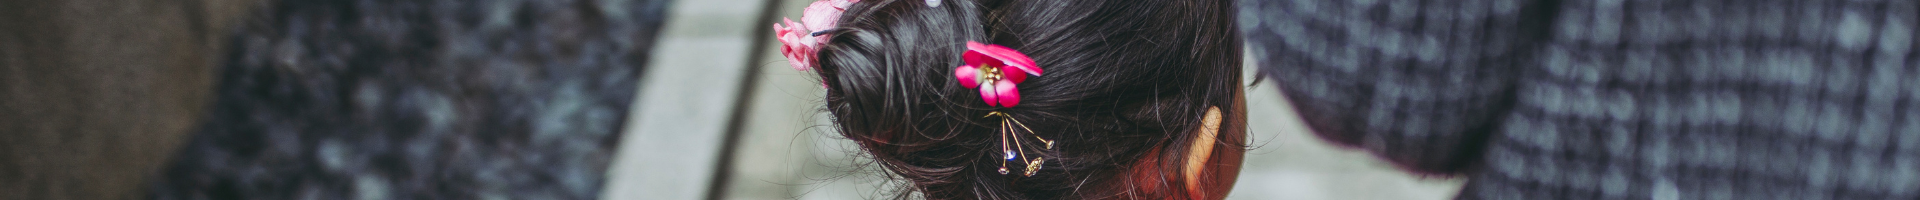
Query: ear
x,y
1202,148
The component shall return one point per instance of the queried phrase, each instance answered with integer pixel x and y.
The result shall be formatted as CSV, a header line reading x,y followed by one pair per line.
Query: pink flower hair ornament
x,y
801,41
995,70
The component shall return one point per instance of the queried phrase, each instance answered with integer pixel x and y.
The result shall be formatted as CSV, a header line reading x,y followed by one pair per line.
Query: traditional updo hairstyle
x,y
1127,83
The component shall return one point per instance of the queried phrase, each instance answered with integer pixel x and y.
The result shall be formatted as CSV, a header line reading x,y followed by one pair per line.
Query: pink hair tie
x,y
801,41
995,70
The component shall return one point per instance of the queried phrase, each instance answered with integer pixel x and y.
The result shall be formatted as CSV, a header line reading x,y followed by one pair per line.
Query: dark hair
x,y
1126,84
429,99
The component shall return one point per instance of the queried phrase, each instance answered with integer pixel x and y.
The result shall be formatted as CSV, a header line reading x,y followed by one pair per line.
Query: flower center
x,y
990,73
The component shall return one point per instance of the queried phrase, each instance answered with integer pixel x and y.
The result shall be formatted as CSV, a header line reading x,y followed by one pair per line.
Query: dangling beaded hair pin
x,y
995,70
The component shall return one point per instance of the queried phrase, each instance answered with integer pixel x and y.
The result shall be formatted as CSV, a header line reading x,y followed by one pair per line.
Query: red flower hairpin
x,y
995,70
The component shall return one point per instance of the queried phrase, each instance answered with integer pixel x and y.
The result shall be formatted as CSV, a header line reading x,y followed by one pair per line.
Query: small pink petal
x,y
1009,95
794,26
811,42
844,4
967,75
782,32
987,94
795,33
972,45
821,15
974,58
804,62
794,47
779,30
1013,74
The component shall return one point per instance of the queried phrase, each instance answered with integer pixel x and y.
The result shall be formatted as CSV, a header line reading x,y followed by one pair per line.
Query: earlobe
x,y
1202,149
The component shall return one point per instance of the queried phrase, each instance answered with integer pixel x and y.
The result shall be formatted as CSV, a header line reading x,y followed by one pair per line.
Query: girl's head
x,y
1136,94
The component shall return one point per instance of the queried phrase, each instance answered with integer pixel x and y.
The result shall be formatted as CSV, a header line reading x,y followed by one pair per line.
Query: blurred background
x,y
95,95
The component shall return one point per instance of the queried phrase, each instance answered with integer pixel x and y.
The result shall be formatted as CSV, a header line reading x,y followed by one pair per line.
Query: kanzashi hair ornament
x,y
801,41
996,71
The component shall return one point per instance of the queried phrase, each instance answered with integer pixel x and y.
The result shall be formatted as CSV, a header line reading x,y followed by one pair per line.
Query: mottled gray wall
x,y
96,94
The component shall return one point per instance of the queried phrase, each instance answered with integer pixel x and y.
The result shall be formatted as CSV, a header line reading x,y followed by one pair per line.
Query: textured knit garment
x,y
418,99
1612,99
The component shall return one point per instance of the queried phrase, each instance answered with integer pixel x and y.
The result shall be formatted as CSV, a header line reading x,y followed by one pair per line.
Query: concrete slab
x,y
671,148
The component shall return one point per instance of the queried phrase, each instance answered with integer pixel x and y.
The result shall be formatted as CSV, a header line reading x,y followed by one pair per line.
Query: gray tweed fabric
x,y
1612,99
418,99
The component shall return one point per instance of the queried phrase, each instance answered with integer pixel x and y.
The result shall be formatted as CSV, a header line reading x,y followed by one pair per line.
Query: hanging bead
x,y
1034,166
